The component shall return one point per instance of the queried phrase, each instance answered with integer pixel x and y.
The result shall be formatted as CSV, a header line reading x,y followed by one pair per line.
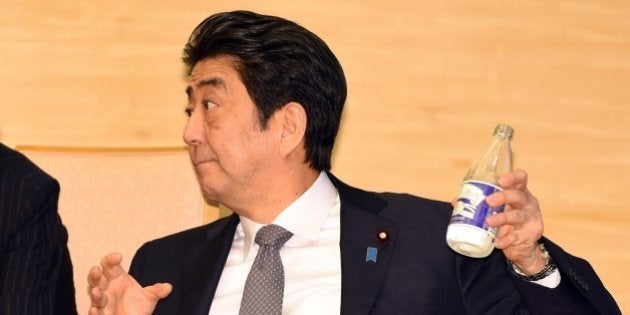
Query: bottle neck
x,y
493,163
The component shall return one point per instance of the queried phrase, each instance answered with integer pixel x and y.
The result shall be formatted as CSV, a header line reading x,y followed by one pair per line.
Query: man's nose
x,y
194,131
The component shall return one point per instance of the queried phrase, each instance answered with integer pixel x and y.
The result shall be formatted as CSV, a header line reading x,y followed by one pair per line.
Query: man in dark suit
x,y
265,102
35,267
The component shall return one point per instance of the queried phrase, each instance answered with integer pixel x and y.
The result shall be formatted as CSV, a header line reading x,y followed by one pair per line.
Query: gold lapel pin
x,y
382,236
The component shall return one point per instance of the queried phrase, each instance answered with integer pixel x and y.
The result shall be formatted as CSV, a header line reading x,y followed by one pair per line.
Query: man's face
x,y
231,155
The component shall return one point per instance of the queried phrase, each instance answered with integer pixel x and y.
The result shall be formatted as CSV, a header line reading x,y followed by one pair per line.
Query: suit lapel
x,y
203,267
367,242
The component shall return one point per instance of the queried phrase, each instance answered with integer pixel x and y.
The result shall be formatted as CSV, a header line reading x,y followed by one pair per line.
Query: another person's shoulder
x,y
16,168
26,186
27,191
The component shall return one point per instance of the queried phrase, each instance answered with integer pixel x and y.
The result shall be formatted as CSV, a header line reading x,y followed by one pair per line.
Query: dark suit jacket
x,y
415,271
35,267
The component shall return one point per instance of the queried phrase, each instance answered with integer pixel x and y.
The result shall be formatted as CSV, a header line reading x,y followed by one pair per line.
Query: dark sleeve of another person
x,y
35,267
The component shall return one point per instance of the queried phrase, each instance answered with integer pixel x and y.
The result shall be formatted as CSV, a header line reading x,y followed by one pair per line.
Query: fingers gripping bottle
x,y
468,233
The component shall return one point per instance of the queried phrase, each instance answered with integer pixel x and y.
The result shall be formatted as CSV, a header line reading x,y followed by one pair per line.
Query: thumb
x,y
158,291
454,202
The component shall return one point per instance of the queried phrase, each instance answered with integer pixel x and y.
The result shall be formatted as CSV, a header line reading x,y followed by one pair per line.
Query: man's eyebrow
x,y
214,81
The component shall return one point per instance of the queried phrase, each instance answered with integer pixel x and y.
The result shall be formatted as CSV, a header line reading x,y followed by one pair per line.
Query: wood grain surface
x,y
428,80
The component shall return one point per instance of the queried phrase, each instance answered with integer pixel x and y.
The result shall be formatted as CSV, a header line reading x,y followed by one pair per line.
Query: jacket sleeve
x,y
580,290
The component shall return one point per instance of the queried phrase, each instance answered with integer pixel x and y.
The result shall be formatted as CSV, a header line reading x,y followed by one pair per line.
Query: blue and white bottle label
x,y
471,207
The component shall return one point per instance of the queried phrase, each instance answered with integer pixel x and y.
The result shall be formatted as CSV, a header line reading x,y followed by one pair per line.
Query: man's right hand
x,y
114,292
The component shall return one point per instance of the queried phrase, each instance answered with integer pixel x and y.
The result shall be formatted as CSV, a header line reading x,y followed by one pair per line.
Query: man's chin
x,y
210,195
211,201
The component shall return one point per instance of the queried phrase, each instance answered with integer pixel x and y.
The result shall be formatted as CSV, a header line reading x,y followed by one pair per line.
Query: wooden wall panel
x,y
427,83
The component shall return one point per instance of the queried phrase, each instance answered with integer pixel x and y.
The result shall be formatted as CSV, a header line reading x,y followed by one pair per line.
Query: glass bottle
x,y
468,233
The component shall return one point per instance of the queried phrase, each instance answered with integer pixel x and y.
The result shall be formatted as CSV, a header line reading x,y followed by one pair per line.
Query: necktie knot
x,y
272,235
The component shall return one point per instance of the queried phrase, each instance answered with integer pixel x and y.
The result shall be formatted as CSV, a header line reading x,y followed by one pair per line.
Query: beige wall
x,y
428,80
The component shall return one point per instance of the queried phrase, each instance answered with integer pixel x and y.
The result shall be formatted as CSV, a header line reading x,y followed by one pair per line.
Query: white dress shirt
x,y
311,258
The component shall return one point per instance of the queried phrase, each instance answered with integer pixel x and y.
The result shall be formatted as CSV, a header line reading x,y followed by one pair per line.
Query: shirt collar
x,y
304,217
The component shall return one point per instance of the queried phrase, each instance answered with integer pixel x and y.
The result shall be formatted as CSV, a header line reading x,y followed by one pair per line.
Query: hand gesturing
x,y
114,292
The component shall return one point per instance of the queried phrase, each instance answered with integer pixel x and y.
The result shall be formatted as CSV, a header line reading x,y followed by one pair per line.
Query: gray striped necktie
x,y
264,287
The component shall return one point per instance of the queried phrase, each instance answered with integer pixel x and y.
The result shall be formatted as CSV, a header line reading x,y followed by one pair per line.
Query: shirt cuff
x,y
548,277
551,281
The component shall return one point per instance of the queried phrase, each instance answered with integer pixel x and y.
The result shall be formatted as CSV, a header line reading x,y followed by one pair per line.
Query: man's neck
x,y
268,207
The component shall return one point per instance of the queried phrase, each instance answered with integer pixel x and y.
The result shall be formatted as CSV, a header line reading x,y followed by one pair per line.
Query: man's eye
x,y
208,104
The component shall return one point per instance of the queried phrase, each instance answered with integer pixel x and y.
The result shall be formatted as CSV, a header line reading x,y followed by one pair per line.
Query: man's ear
x,y
293,127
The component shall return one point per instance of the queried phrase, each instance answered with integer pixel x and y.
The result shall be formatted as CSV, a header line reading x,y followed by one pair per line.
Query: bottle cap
x,y
504,131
